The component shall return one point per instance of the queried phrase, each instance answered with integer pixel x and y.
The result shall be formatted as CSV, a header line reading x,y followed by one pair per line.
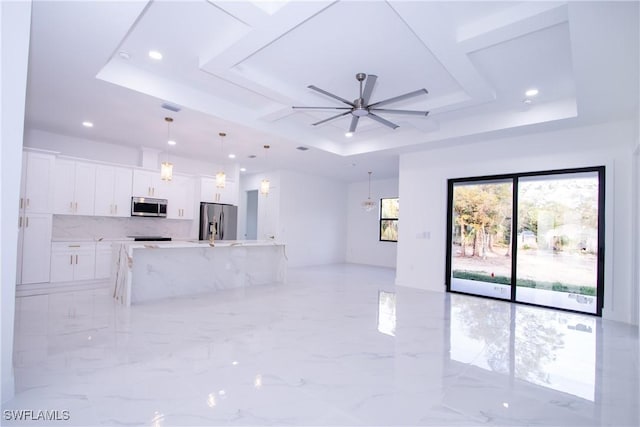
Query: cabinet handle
x,y
71,259
21,202
76,207
71,206
73,246
20,222
76,259
28,202
116,209
26,219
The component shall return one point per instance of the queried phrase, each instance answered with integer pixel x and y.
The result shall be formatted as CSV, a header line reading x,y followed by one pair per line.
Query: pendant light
x,y
369,204
264,184
166,168
221,177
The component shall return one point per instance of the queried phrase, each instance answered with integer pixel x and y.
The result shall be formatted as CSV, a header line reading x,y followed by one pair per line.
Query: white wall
x,y
363,244
423,192
305,212
636,223
15,24
312,219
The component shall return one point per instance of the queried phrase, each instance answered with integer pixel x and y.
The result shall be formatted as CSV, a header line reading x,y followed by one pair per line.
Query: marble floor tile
x,y
337,345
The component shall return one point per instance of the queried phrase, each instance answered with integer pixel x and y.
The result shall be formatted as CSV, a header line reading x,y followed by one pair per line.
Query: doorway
x,y
534,238
252,215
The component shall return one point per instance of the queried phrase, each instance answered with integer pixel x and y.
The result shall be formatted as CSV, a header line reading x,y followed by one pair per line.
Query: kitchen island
x,y
148,271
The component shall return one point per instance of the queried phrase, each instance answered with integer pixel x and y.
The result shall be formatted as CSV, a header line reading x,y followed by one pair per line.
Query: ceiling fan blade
x,y
331,118
368,88
324,92
401,97
322,108
411,112
354,124
383,121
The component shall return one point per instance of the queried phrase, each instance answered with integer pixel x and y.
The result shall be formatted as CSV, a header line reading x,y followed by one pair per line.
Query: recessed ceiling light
x,y
243,169
171,142
87,124
124,55
348,134
531,92
527,101
154,54
232,156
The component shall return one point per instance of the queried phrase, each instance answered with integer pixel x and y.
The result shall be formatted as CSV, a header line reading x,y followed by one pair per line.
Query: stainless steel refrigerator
x,y
221,220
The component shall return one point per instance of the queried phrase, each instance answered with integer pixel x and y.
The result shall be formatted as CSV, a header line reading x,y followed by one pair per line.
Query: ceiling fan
x,y
361,107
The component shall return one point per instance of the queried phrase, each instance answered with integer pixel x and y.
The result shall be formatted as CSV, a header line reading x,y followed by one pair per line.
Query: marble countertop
x,y
92,239
200,244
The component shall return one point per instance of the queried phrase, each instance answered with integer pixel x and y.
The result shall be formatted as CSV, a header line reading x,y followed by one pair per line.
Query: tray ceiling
x,y
240,66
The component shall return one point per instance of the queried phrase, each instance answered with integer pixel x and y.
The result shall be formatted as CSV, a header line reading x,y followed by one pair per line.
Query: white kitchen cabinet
x,y
35,220
148,184
113,191
104,260
212,194
36,189
180,197
34,248
74,187
73,261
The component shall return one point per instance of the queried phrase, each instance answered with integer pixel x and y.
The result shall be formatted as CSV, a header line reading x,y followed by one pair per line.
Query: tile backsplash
x,y
82,227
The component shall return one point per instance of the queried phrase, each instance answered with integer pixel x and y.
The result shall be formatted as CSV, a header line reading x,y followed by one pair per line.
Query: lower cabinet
x,y
104,260
73,261
34,248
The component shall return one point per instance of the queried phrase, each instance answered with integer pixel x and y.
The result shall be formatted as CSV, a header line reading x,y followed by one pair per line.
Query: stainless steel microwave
x,y
146,206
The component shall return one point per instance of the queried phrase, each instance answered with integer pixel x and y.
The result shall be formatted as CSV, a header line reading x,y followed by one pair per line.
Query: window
x,y
389,219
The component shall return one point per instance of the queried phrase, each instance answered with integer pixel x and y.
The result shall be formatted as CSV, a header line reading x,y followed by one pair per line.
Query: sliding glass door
x,y
481,235
557,262
553,259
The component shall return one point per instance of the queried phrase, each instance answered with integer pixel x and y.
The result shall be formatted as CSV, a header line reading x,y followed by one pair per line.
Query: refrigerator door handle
x,y
222,225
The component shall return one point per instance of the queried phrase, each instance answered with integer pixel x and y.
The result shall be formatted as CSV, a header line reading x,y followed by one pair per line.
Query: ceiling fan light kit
x,y
361,107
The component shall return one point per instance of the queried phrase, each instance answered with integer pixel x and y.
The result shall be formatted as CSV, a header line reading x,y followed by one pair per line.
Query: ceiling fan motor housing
x,y
359,109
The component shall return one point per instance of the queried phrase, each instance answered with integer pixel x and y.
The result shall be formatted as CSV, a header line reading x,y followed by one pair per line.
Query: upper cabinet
x,y
148,184
180,192
212,194
74,187
36,188
113,191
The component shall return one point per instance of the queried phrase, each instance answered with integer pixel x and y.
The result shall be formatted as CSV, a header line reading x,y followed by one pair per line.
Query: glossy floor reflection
x,y
337,345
